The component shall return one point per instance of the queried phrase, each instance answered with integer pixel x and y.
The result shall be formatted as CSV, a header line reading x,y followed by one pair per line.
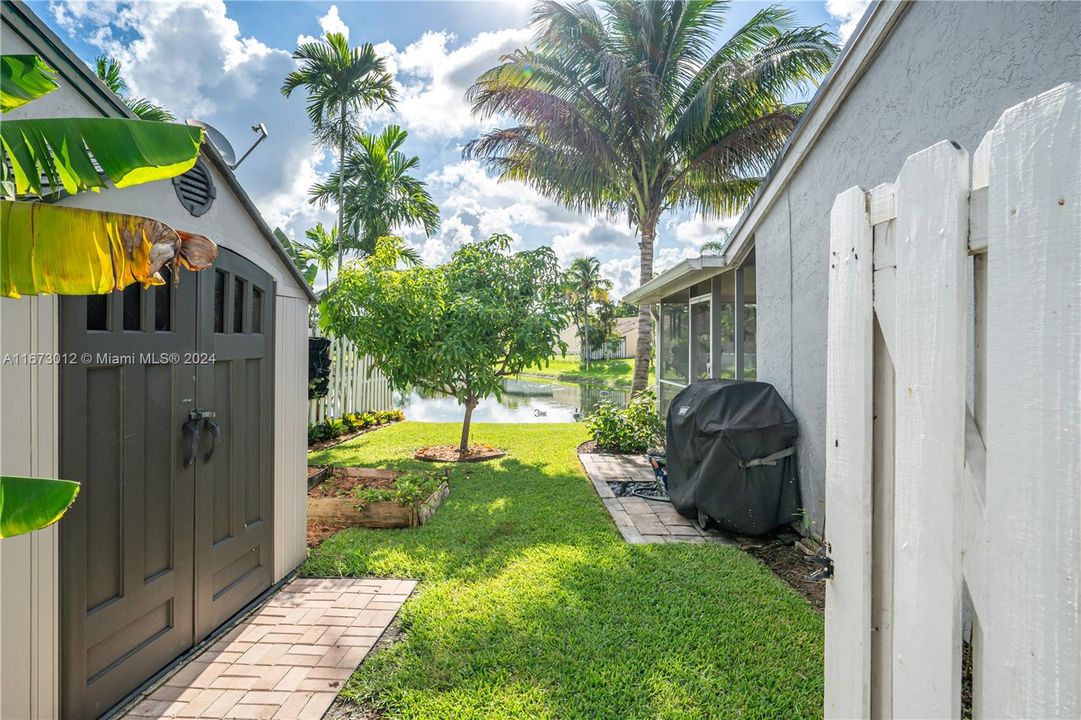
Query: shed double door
x,y
166,420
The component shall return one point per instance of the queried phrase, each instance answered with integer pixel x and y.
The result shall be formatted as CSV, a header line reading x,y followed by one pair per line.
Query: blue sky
x,y
223,62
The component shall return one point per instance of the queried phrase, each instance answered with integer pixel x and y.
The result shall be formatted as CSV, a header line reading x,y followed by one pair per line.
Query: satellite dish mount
x,y
224,147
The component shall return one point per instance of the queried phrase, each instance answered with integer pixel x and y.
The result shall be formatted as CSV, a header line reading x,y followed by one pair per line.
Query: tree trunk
x,y
586,348
648,232
463,446
341,192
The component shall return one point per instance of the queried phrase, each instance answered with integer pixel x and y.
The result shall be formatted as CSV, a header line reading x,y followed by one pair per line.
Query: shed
x,y
180,525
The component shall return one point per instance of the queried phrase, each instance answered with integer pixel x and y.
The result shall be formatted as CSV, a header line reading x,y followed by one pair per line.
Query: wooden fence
x,y
953,469
613,350
352,388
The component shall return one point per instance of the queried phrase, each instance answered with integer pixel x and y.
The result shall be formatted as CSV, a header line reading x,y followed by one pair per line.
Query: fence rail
x,y
354,386
954,511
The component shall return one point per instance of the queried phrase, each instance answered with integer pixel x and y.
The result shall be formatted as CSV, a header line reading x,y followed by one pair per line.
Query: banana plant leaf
x,y
28,504
24,78
64,151
69,251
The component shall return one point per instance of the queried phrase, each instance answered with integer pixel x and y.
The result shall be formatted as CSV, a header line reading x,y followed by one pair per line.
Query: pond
x,y
523,401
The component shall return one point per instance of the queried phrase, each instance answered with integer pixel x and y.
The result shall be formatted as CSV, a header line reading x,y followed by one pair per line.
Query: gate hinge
x,y
824,561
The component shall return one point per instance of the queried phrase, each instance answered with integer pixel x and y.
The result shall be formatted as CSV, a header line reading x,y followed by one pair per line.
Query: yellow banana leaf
x,y
24,78
50,249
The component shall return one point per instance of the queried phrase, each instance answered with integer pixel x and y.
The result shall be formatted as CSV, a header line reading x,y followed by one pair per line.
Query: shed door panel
x,y
126,545
235,510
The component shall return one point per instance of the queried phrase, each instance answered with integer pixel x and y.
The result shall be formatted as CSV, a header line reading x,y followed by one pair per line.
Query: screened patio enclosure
x,y
705,323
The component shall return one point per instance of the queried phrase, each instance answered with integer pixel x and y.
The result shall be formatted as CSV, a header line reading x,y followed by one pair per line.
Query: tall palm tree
x,y
108,71
340,81
584,288
630,111
380,194
321,248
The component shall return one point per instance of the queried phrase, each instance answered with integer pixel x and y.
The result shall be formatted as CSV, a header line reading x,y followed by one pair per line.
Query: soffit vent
x,y
195,189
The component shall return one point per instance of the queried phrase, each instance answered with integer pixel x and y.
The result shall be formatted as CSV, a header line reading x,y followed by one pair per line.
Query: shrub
x,y
633,428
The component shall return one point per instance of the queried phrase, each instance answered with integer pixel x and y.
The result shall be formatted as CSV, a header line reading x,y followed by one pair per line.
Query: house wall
x,y
947,71
29,434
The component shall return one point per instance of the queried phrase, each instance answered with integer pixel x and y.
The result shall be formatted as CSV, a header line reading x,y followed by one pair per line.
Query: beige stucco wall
x,y
29,402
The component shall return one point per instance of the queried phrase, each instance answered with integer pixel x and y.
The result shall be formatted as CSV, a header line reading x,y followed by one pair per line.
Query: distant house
x,y
913,73
626,330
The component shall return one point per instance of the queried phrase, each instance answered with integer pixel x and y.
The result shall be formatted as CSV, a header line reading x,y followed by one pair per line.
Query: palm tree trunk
x,y
648,231
587,358
341,191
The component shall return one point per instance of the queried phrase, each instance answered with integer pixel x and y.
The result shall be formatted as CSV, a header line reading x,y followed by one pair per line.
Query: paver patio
x,y
288,659
640,520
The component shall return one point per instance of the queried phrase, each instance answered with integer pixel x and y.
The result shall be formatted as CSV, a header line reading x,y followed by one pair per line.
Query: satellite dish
x,y
218,140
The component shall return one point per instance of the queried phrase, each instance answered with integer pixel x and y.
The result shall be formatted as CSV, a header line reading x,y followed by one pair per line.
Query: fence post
x,y
1033,489
849,375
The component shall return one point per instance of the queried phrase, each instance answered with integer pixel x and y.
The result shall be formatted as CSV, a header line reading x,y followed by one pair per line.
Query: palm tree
x,y
630,111
584,287
340,82
321,248
380,194
108,71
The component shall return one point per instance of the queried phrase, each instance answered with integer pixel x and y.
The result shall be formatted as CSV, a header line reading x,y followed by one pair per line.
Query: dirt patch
x,y
340,482
589,447
786,561
449,453
343,481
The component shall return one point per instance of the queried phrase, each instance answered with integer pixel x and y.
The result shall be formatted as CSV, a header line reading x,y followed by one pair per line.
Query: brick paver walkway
x,y
640,520
288,659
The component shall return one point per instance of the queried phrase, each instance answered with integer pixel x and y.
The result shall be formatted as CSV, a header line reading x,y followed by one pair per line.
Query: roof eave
x,y
687,273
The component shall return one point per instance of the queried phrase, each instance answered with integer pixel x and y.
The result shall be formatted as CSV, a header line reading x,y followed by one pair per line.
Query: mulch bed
x,y
787,563
449,453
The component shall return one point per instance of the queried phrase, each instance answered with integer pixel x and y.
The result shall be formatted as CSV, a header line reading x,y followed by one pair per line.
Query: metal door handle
x,y
191,435
215,438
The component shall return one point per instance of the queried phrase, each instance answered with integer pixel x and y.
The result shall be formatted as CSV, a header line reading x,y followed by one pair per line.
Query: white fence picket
x,y
989,497
1033,488
351,388
849,372
929,366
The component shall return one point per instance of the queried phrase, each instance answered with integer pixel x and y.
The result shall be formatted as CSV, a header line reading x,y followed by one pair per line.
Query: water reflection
x,y
523,400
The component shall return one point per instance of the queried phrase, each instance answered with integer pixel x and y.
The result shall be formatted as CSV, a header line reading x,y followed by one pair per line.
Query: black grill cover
x,y
714,428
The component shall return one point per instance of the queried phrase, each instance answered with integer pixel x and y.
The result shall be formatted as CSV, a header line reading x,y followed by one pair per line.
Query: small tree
x,y
458,328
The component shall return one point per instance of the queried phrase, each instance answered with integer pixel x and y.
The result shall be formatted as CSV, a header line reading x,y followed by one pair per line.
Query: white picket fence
x,y
935,494
351,388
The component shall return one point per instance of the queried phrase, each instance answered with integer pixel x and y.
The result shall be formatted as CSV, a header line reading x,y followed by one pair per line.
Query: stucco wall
x,y
948,70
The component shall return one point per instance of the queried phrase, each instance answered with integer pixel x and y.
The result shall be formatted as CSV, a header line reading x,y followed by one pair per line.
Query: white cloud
x,y
432,79
330,23
849,12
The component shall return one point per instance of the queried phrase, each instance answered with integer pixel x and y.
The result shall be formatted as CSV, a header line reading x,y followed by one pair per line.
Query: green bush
x,y
352,422
633,428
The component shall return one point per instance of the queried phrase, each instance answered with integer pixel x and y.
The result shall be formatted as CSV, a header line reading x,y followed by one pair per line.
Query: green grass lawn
x,y
611,372
531,605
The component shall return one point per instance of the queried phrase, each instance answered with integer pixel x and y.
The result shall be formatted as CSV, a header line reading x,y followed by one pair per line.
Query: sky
x,y
224,62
